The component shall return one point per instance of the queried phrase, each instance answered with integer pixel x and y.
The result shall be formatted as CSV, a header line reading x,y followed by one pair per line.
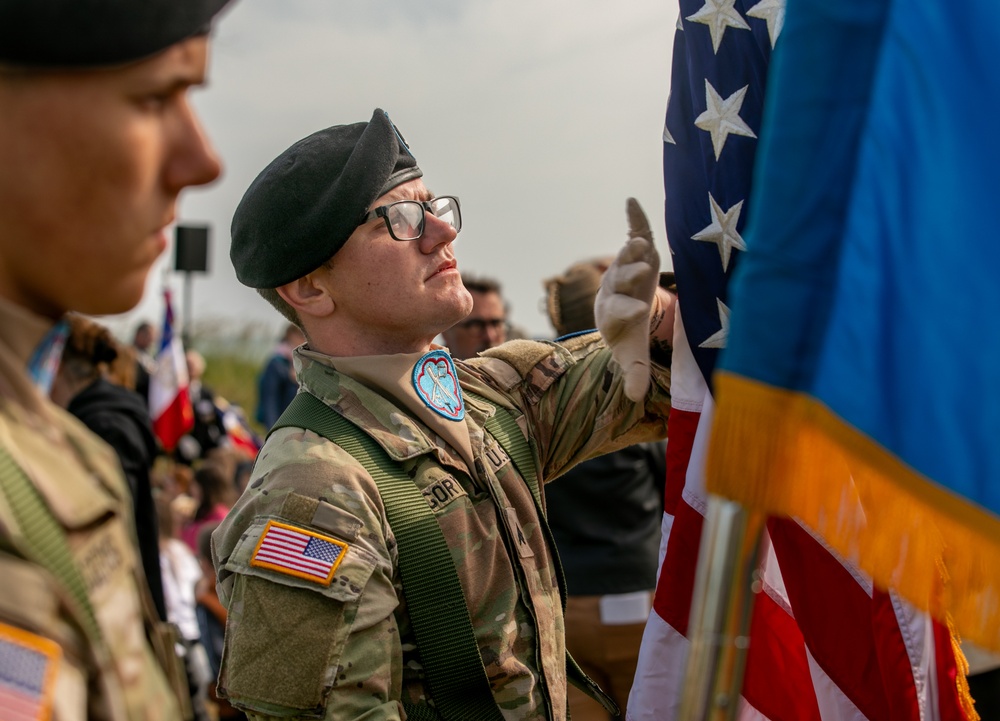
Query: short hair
x,y
481,284
272,296
216,487
204,540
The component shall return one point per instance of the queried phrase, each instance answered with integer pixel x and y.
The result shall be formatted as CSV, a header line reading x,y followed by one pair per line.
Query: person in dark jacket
x,y
605,515
120,417
276,385
145,363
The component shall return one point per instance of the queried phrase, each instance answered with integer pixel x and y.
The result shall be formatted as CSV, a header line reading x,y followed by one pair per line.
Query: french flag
x,y
169,400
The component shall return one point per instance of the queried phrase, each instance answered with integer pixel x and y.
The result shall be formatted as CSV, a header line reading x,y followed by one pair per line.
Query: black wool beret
x,y
97,33
305,204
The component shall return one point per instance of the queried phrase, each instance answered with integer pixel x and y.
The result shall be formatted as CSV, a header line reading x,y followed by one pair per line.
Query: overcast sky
x,y
543,117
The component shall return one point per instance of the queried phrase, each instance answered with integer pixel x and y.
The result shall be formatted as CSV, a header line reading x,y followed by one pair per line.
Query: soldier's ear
x,y
309,295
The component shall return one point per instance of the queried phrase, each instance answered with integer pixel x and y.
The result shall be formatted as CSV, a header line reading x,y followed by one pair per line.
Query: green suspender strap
x,y
508,434
46,541
454,669
433,591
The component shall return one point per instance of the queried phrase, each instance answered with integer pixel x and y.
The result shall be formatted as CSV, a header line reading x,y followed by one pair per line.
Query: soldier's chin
x,y
112,300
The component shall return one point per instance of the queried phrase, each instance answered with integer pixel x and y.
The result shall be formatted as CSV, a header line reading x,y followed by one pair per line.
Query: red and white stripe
x,y
825,645
16,705
169,399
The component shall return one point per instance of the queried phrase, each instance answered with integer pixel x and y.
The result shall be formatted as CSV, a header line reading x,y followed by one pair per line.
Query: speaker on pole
x,y
191,257
192,248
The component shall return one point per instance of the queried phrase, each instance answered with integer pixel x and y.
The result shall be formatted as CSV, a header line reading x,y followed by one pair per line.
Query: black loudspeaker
x,y
192,248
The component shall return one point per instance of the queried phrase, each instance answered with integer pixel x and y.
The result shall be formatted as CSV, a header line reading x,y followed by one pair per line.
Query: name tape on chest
x,y
28,667
435,382
102,559
298,552
443,492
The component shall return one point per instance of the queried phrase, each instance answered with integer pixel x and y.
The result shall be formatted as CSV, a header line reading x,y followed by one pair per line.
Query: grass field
x,y
235,379
233,359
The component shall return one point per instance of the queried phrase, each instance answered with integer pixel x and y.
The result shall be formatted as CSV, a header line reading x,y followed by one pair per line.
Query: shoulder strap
x,y
508,434
504,428
448,650
45,540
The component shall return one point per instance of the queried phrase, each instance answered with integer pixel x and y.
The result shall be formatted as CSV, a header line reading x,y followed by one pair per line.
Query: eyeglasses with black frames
x,y
405,219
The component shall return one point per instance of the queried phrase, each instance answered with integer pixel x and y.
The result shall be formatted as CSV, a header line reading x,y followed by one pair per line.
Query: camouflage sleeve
x,y
305,568
573,397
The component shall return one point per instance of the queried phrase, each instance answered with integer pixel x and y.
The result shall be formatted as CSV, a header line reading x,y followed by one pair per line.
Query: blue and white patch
x,y
436,383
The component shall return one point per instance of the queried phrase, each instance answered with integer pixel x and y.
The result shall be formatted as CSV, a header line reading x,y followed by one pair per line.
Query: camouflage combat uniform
x,y
345,650
45,655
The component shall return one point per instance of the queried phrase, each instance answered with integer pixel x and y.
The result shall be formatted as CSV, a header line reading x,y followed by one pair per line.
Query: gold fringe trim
x,y
962,680
785,453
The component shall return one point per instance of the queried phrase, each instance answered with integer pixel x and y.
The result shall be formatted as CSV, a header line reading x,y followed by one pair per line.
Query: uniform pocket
x,y
295,597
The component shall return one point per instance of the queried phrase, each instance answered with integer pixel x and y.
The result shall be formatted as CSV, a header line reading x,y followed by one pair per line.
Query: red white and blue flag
x,y
238,431
169,400
825,643
298,552
28,666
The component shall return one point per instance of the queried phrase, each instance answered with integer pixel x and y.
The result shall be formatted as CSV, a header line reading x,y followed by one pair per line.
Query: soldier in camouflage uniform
x,y
371,284
96,140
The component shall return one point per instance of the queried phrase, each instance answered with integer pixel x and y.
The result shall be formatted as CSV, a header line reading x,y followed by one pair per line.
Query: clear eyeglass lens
x,y
447,210
407,219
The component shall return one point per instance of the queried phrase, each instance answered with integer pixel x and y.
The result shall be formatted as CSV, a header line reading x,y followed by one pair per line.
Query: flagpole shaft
x,y
725,584
186,326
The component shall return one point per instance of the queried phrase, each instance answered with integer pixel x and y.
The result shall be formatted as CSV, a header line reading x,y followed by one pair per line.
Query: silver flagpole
x,y
726,581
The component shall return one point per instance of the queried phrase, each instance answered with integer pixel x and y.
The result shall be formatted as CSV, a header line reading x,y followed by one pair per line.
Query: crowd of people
x,y
393,549
178,498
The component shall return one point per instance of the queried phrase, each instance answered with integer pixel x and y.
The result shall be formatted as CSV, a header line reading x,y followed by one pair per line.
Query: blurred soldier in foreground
x,y
393,559
97,138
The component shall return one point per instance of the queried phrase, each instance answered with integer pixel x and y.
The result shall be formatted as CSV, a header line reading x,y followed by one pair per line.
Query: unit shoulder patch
x,y
298,552
28,667
436,384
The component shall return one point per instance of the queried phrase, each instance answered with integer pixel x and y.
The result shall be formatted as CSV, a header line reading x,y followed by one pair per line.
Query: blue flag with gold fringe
x,y
860,388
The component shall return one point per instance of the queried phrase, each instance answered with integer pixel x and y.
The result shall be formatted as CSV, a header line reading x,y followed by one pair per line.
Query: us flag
x,y
27,675
825,644
298,552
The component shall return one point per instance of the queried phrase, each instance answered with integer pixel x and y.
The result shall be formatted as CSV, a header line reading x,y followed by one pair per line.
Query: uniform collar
x,y
21,332
43,431
390,378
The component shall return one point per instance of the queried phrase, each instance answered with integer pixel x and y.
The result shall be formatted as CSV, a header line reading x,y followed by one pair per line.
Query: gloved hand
x,y
624,302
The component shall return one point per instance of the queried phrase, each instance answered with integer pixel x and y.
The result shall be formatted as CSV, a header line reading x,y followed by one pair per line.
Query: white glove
x,y
624,302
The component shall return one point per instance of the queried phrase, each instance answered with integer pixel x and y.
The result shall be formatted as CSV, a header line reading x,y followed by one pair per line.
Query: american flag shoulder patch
x,y
28,666
298,552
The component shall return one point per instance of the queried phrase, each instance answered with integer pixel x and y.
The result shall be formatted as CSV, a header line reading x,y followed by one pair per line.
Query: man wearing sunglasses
x,y
390,558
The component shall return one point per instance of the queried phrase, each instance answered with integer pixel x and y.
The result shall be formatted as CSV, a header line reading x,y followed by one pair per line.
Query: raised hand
x,y
624,302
